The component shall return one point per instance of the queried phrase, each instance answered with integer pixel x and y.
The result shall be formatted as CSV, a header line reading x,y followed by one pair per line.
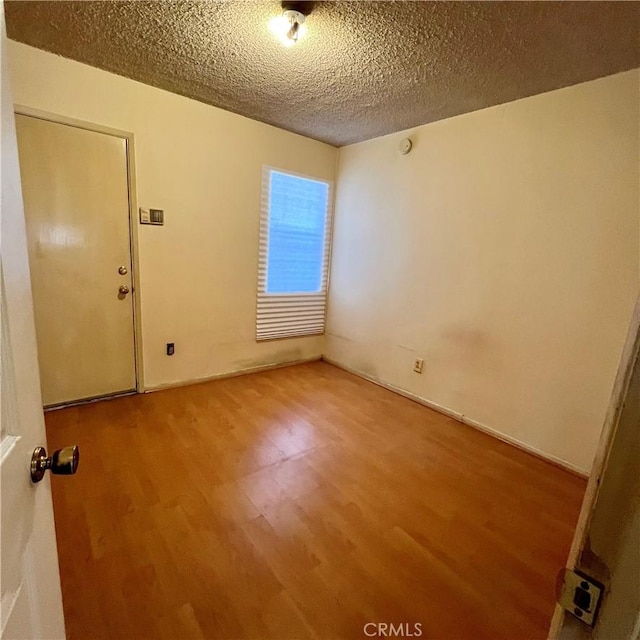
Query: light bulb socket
x,y
294,16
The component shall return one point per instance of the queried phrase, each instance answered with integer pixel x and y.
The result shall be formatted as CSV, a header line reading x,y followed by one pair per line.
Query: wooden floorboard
x,y
302,502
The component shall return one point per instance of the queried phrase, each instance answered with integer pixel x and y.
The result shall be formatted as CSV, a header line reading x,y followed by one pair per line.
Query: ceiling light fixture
x,y
289,27
296,20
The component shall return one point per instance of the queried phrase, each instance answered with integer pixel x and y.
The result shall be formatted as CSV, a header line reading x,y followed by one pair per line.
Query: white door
x,y
31,602
76,201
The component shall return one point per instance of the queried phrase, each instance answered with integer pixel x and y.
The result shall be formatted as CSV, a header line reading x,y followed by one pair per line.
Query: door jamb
x,y
630,353
134,243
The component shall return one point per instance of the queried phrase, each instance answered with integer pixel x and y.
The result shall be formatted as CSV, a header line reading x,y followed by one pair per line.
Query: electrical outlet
x,y
418,364
171,348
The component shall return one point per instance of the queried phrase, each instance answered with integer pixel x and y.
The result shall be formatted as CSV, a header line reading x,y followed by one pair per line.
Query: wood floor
x,y
302,503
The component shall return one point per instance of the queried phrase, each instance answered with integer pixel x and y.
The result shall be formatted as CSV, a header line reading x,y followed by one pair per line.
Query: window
x,y
295,229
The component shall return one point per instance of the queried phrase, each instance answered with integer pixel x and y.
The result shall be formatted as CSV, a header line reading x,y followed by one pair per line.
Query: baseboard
x,y
229,374
558,462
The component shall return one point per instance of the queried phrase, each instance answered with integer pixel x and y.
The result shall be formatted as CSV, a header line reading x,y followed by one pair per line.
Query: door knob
x,y
123,270
123,290
63,462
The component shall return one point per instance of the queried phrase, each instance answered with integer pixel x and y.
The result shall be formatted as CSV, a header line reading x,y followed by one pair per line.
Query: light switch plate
x,y
151,216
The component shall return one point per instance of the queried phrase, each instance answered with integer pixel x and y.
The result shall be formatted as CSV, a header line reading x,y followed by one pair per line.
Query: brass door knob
x,y
63,462
123,290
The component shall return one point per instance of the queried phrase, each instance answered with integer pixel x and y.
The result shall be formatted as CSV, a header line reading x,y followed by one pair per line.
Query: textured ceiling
x,y
363,69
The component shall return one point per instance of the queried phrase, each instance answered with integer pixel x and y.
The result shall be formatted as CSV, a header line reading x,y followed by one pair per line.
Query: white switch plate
x,y
418,365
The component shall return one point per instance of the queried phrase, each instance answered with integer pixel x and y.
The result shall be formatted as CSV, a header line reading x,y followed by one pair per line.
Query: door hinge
x,y
580,595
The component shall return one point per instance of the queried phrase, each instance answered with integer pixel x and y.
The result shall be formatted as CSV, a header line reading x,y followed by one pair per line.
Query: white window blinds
x,y
295,230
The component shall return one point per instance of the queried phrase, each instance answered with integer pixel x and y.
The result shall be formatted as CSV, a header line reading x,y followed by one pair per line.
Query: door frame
x,y
618,399
134,244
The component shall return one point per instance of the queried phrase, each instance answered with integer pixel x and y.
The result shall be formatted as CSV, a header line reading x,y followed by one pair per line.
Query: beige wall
x,y
504,251
202,166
